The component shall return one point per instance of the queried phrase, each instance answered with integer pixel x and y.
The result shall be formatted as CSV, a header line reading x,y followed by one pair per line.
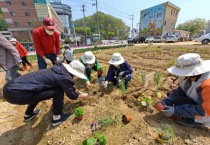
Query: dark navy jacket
x,y
114,71
35,82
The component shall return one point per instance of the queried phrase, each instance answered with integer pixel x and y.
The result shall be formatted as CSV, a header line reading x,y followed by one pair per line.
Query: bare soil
x,y
141,130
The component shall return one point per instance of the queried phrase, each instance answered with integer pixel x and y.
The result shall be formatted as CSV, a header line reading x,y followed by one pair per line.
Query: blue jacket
x,y
50,78
114,71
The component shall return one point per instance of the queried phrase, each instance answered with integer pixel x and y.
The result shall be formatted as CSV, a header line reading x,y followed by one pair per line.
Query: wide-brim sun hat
x,y
88,58
190,64
116,59
76,68
13,40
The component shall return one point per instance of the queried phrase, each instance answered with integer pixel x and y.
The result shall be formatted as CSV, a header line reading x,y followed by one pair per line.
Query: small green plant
x,y
159,95
171,62
121,84
78,112
104,122
98,139
91,141
157,78
146,100
165,134
143,77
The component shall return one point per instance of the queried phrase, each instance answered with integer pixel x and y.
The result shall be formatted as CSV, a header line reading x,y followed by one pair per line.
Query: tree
x,y
194,26
107,23
3,25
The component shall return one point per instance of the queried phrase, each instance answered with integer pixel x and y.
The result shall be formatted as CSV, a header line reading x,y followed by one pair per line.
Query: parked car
x,y
149,39
141,39
130,40
159,39
171,38
204,39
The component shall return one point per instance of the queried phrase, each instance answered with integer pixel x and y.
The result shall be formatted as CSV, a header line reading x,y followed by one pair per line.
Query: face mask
x,y
49,32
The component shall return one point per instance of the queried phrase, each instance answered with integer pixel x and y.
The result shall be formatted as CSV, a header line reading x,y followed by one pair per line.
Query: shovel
x,y
100,80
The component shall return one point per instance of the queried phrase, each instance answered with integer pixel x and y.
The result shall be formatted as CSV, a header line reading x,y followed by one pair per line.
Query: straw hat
x,y
116,59
88,57
76,68
190,64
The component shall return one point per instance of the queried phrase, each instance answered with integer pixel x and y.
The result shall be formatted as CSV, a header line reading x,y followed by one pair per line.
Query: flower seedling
x,y
165,134
146,101
157,78
121,84
78,113
101,140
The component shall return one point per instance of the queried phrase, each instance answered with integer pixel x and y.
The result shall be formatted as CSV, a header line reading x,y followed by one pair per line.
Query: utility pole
x,y
83,10
96,4
131,17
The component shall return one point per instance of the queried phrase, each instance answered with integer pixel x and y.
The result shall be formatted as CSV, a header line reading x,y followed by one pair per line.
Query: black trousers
x,y
33,98
25,61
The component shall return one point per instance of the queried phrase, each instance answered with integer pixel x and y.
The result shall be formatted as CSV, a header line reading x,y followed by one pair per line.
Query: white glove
x,y
48,62
169,111
105,84
88,83
121,73
19,60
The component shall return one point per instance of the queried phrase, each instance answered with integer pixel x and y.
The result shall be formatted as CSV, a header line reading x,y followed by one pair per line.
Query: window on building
x,y
16,23
27,13
165,23
176,13
12,13
8,3
171,12
23,3
29,23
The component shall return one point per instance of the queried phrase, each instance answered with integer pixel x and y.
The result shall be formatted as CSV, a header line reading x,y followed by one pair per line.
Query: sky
x,y
123,9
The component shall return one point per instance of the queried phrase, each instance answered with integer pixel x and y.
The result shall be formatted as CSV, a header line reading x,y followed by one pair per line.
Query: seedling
x,y
91,141
165,134
157,77
97,140
146,101
121,84
78,112
143,77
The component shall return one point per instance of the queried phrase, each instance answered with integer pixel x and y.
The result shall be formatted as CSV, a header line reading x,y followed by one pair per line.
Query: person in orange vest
x,y
22,52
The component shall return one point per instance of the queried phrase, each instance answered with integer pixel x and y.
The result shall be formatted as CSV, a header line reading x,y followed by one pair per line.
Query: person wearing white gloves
x,y
118,68
189,103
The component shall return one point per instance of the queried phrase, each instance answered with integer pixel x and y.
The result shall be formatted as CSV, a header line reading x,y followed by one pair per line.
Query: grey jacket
x,y
9,56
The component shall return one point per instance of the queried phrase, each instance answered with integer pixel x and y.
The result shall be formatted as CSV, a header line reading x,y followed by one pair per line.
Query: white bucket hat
x,y
88,57
13,40
116,59
76,68
190,64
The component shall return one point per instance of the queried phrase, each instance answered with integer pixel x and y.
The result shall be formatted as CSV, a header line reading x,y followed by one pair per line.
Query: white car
x,y
149,39
204,39
159,39
171,38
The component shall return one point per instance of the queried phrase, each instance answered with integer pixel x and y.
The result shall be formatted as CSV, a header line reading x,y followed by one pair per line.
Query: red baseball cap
x,y
49,23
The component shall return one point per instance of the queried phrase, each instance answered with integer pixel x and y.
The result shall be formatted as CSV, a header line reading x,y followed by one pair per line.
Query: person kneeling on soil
x,y
42,85
119,68
189,103
91,63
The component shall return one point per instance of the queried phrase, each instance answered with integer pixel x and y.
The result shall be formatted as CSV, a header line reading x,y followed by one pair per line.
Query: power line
x,y
96,4
83,10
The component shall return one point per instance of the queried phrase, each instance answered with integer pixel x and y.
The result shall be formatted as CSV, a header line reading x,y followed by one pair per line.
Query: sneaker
x,y
30,117
189,122
63,118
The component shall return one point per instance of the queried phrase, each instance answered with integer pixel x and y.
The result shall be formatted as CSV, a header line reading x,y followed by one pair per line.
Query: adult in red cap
x,y
47,43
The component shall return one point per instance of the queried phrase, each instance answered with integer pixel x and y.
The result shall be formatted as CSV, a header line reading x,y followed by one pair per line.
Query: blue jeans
x,y
12,73
42,64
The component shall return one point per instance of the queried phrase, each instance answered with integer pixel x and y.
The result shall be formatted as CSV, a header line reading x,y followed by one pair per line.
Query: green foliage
x,y
3,25
82,31
166,134
159,95
121,84
32,57
101,140
194,26
91,141
146,100
143,77
78,111
171,62
105,122
109,25
157,77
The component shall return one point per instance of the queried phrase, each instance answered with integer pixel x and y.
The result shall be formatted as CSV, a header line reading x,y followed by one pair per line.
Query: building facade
x,y
64,13
158,20
23,16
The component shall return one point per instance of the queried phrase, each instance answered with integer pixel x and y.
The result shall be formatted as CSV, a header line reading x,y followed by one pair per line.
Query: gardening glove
x,y
169,111
105,84
48,62
121,73
19,60
88,83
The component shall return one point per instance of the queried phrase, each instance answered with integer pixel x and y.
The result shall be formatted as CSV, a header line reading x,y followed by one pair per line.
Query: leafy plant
x,y
101,140
143,77
78,112
166,134
147,100
159,95
157,77
171,62
91,141
121,84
